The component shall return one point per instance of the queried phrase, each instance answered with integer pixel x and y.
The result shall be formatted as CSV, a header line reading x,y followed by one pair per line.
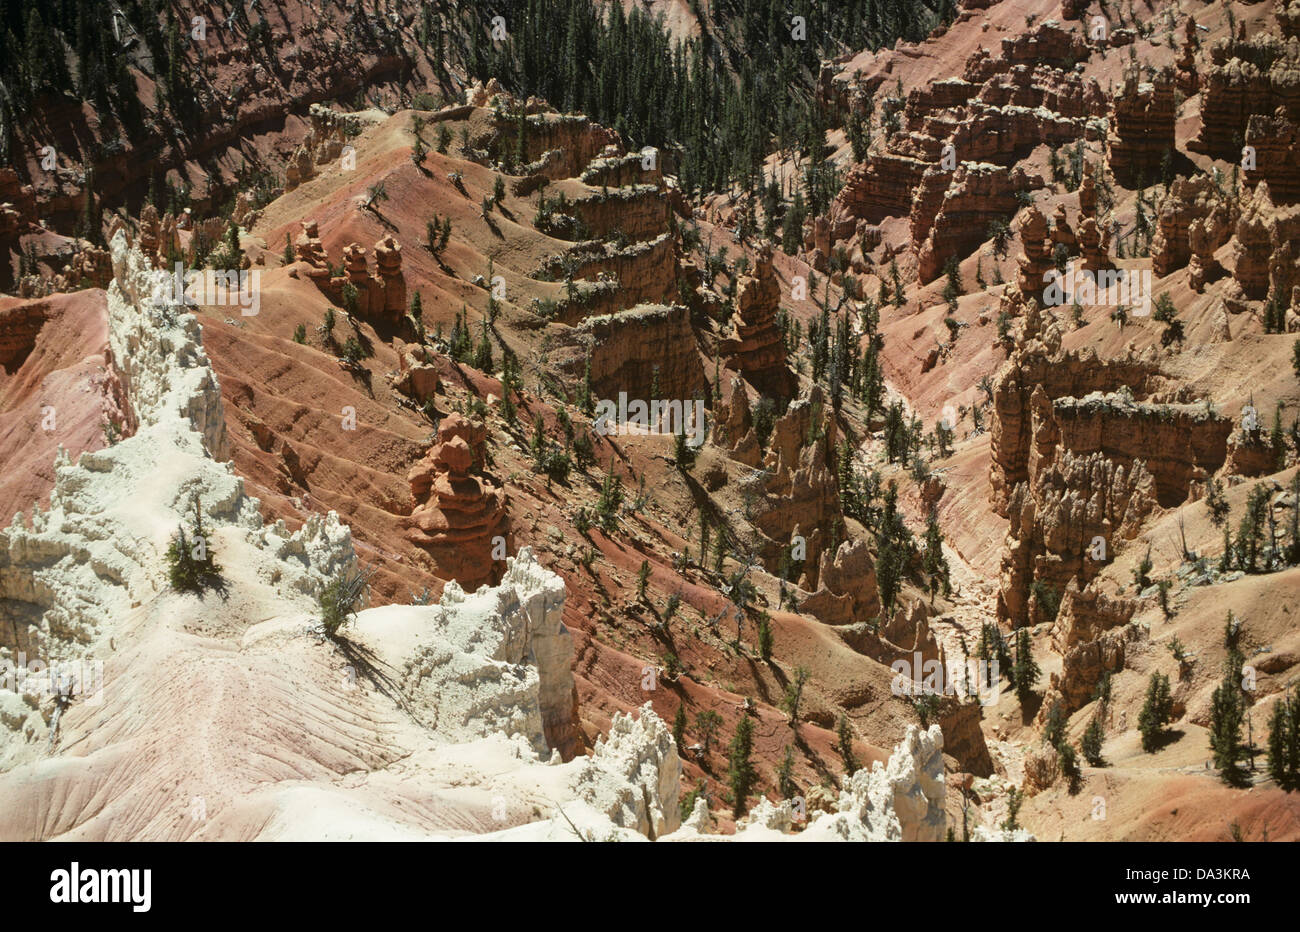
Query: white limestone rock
x,y
983,833
634,775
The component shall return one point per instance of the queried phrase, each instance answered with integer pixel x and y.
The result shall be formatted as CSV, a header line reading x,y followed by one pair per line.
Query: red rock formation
x,y
1062,234
1036,260
795,493
758,348
1141,133
308,249
1087,614
1276,141
388,261
847,586
1069,501
1246,77
1253,247
634,350
1094,246
1188,201
1202,267
1187,77
878,188
972,197
1088,191
458,511
1068,375
1047,44
1250,454
1083,666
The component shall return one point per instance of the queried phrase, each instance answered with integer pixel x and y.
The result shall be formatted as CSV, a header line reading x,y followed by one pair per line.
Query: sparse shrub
x,y
342,597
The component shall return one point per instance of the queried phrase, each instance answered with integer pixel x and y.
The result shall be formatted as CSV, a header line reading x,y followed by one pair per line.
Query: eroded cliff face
x,y
757,349
1258,75
1141,130
1074,464
634,351
70,575
792,492
952,166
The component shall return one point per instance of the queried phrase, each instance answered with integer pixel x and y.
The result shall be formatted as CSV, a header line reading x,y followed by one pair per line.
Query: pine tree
x,y
1156,709
844,745
765,638
794,695
935,563
1227,709
1025,671
741,775
707,724
1091,744
679,725
785,784
1284,743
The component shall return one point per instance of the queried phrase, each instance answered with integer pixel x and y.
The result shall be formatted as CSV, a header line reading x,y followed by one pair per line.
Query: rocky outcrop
x,y
1061,375
733,427
634,350
69,577
1250,453
1077,475
498,660
967,201
757,350
1141,132
637,212
1094,246
1055,519
795,492
640,273
380,294
1245,77
392,284
1036,259
634,774
309,250
459,514
1186,75
1086,614
1191,201
1049,43
847,591
1083,666
880,187
330,130
1263,253
901,800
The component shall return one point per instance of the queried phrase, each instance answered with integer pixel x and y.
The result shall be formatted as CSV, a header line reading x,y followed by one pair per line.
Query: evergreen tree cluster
x,y
725,97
